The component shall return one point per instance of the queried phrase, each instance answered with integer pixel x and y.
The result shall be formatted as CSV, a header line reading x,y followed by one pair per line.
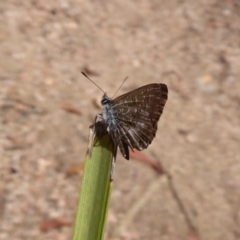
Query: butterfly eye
x,y
105,100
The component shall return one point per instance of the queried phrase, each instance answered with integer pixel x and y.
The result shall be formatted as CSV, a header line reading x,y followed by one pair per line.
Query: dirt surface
x,y
192,46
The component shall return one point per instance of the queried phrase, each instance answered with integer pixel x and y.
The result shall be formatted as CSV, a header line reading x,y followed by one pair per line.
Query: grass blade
x,y
95,192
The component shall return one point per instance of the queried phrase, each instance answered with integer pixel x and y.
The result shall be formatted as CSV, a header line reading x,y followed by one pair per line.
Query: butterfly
x,y
132,118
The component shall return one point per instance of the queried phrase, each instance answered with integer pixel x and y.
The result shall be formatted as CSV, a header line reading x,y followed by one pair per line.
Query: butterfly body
x,y
132,118
109,114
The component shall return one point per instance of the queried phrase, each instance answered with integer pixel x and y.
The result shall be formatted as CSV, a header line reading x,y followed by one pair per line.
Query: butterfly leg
x,y
91,138
115,146
96,129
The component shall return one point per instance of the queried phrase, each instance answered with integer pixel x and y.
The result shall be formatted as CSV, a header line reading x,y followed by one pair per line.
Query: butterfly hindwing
x,y
136,115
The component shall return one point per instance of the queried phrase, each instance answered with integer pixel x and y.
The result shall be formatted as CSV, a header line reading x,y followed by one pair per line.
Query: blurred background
x,y
46,107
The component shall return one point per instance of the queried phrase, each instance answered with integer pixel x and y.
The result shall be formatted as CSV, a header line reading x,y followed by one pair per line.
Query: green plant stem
x,y
95,192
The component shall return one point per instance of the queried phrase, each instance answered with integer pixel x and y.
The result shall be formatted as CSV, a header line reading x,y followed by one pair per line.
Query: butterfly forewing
x,y
132,117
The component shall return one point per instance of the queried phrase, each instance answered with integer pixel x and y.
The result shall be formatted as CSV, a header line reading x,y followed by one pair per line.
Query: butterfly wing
x,y
137,115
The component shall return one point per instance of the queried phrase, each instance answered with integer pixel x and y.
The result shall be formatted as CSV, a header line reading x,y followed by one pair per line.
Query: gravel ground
x,y
192,46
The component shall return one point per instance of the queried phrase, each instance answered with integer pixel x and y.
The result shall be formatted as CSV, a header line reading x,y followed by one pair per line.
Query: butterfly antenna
x,y
85,75
120,86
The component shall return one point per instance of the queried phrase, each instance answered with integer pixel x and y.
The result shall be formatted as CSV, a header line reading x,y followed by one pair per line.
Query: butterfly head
x,y
105,99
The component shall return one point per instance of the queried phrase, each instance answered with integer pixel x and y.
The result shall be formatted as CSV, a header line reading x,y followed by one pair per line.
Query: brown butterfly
x,y
132,118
